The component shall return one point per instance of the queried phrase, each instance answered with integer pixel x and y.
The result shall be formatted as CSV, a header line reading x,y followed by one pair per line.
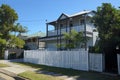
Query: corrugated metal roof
x,y
73,15
24,34
37,34
80,13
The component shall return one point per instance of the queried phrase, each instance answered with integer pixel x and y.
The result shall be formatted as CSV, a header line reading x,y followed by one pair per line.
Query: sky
x,y
34,13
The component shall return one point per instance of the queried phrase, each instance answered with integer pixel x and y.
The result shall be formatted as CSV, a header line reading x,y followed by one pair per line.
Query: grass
x,y
34,76
69,72
3,65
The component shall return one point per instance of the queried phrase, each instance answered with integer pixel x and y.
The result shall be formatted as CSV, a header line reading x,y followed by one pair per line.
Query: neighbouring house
x,y
80,22
32,40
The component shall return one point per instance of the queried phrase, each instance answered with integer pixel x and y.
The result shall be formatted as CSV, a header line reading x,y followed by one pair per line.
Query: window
x,y
34,40
71,24
82,22
61,26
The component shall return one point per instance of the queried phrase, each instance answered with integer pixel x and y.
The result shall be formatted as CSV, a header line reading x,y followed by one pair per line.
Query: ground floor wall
x,y
51,45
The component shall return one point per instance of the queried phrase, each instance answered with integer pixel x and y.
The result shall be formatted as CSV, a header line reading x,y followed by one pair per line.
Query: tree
x,y
107,21
74,39
21,29
8,17
15,42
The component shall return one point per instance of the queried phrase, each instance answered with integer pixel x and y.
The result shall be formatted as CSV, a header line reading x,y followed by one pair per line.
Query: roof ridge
x,y
80,12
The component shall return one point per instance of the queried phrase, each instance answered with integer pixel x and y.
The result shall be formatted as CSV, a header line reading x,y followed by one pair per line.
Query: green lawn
x,y
3,65
34,76
69,72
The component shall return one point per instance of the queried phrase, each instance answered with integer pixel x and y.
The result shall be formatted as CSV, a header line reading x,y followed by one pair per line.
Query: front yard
x,y
3,65
35,76
78,75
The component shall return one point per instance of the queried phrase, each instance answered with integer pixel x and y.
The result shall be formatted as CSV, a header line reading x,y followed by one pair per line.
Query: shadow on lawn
x,y
79,75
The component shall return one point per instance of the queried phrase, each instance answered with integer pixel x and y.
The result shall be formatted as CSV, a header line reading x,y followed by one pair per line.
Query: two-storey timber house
x,y
80,22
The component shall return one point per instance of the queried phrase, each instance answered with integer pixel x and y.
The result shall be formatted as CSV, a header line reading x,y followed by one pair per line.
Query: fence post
x,y
6,55
118,58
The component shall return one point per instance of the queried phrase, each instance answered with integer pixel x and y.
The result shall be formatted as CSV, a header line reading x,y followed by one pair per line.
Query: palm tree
x,y
19,28
15,29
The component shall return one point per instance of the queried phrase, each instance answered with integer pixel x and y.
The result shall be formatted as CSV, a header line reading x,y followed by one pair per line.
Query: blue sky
x,y
33,13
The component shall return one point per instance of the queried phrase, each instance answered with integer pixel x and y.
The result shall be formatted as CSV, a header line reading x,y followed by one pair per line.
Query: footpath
x,y
11,72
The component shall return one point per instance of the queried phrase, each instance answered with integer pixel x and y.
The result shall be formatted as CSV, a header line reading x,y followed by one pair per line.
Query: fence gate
x,y
111,61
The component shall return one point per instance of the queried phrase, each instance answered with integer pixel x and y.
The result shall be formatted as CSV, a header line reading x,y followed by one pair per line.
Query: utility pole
x,y
46,28
56,25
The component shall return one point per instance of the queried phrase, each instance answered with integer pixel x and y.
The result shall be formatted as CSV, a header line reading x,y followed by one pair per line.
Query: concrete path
x,y
9,72
6,77
15,68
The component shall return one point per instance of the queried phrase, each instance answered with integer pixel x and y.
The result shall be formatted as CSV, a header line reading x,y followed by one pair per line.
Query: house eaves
x,y
63,16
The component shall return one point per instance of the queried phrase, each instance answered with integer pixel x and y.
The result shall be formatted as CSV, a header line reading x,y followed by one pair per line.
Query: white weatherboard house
x,y
32,40
80,22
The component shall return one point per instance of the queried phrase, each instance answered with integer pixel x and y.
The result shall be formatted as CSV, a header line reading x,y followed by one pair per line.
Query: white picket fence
x,y
96,62
118,57
66,59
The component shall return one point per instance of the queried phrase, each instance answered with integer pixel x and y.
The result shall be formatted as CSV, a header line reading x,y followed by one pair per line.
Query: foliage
x,y
2,41
8,18
15,42
19,28
95,49
107,21
61,46
73,39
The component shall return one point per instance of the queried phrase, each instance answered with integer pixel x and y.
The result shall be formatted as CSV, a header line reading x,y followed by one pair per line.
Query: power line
x,y
41,20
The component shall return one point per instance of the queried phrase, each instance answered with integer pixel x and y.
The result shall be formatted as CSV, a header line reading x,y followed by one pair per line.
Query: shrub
x,y
95,49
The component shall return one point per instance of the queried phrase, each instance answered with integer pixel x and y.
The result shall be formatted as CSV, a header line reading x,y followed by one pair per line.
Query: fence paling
x,y
66,59
96,62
